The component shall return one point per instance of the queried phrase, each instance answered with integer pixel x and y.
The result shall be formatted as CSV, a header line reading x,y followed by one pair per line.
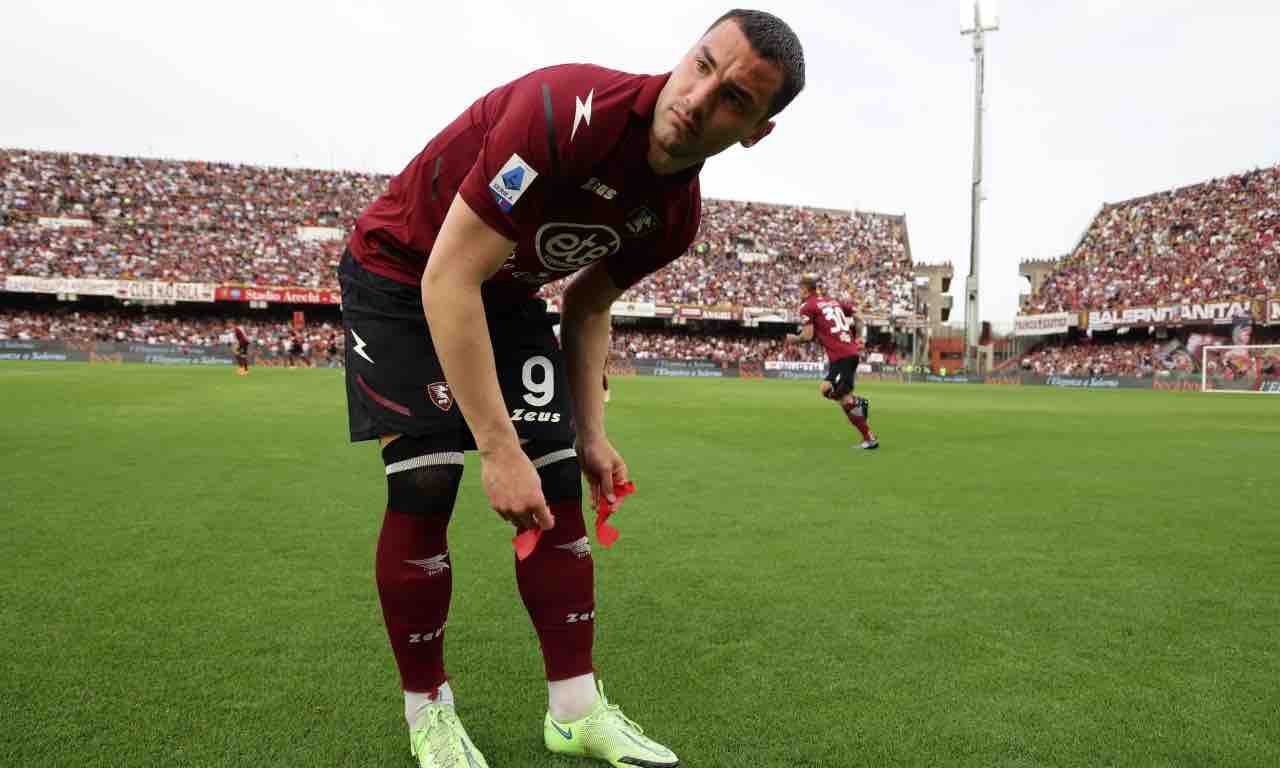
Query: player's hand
x,y
602,466
514,489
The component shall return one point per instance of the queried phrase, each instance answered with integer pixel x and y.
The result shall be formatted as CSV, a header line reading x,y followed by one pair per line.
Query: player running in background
x,y
240,348
825,319
570,169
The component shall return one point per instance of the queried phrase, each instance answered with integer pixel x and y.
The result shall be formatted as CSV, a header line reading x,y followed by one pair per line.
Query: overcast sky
x,y
1087,100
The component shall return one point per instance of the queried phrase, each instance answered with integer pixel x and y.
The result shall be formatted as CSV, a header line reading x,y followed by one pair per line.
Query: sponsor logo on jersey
x,y
600,188
520,414
438,393
641,222
570,247
511,182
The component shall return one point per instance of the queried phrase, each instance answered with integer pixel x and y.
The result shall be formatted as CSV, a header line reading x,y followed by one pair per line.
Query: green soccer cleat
x,y
607,734
439,740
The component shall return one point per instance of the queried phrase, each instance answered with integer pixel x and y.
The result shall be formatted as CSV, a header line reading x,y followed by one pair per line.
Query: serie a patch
x,y
511,182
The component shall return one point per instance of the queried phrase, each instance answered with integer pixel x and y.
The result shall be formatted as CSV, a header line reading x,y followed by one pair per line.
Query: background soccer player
x,y
240,348
570,169
824,319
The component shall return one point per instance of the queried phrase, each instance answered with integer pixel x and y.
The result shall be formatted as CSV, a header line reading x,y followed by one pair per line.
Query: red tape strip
x,y
606,534
527,540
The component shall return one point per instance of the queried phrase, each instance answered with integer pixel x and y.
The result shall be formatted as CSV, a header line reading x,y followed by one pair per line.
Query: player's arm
x,y
584,335
467,252
805,334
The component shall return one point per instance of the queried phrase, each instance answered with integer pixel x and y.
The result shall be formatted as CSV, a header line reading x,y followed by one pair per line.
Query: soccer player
x,y
240,347
824,319
570,170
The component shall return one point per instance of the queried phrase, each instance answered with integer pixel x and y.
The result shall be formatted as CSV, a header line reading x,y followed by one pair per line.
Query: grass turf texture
x,y
1019,577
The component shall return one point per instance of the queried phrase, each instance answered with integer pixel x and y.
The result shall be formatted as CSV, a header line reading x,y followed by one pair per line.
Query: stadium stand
x,y
91,216
1193,244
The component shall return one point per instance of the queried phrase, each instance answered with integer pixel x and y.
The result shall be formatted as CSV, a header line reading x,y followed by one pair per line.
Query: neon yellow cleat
x,y
439,740
607,734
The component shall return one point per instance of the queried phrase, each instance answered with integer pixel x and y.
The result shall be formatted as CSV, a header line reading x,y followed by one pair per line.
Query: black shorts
x,y
242,359
395,384
841,374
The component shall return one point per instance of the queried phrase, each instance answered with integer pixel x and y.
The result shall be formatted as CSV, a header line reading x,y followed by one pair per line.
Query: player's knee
x,y
422,476
858,406
558,468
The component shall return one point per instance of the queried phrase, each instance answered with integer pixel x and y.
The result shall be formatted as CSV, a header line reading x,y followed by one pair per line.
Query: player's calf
x,y
856,410
413,571
557,581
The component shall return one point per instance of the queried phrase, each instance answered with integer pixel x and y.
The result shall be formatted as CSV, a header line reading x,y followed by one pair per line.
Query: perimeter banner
x,y
40,351
277,295
1216,313
1042,325
794,369
78,285
157,291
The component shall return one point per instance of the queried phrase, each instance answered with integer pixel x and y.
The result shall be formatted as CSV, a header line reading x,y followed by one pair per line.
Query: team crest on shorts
x,y
438,393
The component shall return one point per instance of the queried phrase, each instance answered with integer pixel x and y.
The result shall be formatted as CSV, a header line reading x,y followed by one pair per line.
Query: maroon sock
x,y
859,422
415,581
557,584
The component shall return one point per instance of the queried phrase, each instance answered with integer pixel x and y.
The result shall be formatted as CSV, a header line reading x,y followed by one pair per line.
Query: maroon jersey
x,y
557,162
830,326
242,341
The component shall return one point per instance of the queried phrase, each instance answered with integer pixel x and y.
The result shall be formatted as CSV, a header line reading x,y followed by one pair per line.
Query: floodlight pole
x,y
972,322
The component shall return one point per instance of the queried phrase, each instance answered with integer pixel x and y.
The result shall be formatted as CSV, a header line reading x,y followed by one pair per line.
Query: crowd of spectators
x,y
270,338
1209,241
721,347
174,221
1139,358
683,344
181,221
751,254
1119,358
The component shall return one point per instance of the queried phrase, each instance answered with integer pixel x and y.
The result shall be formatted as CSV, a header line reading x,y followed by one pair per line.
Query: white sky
x,y
1087,100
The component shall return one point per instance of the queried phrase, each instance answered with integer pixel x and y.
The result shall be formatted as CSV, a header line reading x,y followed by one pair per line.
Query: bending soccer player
x,y
823,318
571,170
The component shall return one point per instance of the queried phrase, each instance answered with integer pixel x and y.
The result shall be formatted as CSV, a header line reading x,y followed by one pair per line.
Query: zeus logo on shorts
x,y
570,247
520,414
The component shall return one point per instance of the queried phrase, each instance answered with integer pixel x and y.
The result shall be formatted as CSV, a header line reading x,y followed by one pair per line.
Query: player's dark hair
x,y
774,41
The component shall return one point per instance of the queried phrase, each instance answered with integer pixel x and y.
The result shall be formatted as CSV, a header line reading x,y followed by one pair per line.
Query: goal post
x,y
1251,368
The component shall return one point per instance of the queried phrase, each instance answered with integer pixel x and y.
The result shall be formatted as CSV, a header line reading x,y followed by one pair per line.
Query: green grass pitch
x,y
1019,577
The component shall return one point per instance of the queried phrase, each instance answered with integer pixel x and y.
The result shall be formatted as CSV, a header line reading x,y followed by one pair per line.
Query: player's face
x,y
718,95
